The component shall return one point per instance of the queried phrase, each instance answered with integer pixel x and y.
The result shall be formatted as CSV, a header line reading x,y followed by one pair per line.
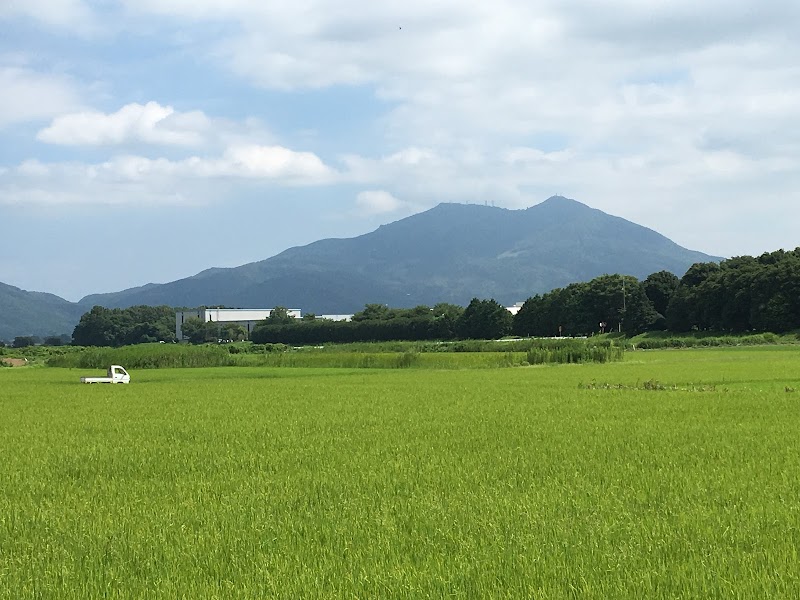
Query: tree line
x,y
736,295
481,319
26,341
125,326
744,293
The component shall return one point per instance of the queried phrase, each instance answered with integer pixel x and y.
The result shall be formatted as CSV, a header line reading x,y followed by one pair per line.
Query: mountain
x,y
35,313
450,253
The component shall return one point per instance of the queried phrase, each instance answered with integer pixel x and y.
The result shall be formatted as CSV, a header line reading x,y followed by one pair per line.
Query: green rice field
x,y
670,474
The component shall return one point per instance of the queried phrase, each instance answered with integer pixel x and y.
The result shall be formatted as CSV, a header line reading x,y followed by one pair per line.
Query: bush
x,y
575,353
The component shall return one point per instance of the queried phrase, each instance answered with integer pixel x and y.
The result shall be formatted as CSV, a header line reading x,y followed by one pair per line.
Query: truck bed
x,y
96,380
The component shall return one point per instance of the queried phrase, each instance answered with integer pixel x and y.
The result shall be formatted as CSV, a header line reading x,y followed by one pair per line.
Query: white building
x,y
246,317
514,309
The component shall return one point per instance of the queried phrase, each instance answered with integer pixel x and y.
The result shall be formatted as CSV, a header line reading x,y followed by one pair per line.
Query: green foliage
x,y
484,320
376,323
372,312
396,483
705,340
456,355
659,288
23,341
232,332
618,302
280,316
740,294
575,353
146,356
198,331
123,326
57,340
382,312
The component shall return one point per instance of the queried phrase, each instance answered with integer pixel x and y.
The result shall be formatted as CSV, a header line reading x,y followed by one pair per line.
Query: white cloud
x,y
150,123
28,95
524,155
376,202
135,179
647,109
407,163
633,72
274,162
74,15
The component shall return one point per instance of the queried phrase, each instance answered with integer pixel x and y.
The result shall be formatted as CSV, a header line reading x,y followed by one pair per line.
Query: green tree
x,y
116,327
617,302
372,312
447,310
280,315
737,278
529,318
23,341
484,319
418,312
775,292
198,331
659,288
233,332
98,327
686,309
143,324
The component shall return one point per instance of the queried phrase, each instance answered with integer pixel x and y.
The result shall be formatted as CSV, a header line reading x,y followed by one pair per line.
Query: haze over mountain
x,y
450,253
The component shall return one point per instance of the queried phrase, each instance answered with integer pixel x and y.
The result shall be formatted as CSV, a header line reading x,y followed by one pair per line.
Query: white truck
x,y
115,374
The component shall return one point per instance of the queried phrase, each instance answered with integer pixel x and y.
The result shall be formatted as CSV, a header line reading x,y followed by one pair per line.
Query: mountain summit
x,y
450,253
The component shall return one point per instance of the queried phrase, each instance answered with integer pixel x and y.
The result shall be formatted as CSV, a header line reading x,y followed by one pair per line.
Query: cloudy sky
x,y
146,140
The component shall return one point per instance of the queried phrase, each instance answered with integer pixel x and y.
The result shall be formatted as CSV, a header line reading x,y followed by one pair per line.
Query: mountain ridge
x,y
35,313
449,253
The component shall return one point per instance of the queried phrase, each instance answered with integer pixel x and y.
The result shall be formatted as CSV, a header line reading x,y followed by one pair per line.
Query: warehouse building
x,y
246,317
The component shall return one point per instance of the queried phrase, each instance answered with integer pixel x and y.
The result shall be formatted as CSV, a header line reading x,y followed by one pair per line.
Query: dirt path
x,y
14,362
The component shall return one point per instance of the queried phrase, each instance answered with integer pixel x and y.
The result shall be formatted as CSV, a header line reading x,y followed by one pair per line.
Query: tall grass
x,y
575,352
383,356
353,483
146,356
655,342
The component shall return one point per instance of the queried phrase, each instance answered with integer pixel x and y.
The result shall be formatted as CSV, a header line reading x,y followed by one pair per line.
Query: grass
x,y
397,355
656,340
319,483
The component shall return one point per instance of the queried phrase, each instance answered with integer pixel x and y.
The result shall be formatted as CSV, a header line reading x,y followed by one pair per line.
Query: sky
x,y
147,140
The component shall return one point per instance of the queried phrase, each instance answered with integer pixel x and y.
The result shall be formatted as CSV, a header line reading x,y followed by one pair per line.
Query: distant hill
x,y
35,313
450,253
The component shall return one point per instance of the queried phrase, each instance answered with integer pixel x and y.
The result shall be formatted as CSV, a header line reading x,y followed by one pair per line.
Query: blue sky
x,y
147,140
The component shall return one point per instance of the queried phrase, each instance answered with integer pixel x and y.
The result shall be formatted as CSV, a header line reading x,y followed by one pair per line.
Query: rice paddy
x,y
671,474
